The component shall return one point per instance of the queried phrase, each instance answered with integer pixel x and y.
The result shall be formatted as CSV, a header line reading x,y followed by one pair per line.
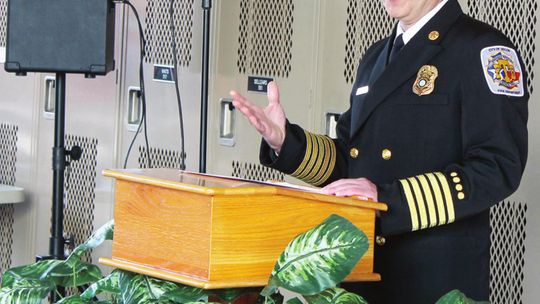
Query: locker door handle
x,y
49,98
134,109
331,119
226,122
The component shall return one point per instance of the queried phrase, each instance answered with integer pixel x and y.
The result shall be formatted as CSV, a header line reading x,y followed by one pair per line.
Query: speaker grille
x,y
266,30
519,24
508,224
367,23
161,158
80,194
8,158
255,172
3,22
159,48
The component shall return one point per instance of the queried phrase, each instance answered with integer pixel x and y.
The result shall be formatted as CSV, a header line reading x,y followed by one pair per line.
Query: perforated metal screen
x,y
255,172
3,22
517,19
160,158
8,159
80,194
266,37
508,224
159,47
367,23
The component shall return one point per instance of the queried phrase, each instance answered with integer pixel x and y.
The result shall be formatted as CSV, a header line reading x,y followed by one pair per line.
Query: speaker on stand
x,y
61,37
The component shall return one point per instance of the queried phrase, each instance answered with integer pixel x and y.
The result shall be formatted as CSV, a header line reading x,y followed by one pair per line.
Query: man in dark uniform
x,y
437,130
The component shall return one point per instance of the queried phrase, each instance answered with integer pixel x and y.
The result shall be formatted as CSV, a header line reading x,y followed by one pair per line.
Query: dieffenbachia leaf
x,y
105,232
275,298
26,292
335,296
75,299
319,258
231,294
294,301
457,297
136,288
27,272
77,274
183,294
107,284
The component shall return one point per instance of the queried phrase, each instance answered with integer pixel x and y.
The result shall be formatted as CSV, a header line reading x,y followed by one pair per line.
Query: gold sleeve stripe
x,y
429,201
318,162
329,166
309,148
313,158
447,196
410,201
421,205
438,198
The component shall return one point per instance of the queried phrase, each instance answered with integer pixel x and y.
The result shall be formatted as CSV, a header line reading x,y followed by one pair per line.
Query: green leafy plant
x,y
311,265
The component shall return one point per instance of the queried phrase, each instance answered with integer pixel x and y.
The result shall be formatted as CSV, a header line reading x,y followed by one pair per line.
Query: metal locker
x,y
274,39
162,108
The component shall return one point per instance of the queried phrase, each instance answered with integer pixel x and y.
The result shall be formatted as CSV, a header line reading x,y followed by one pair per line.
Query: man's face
x,y
409,11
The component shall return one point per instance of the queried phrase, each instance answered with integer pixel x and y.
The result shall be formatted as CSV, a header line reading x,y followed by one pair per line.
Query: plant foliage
x,y
319,258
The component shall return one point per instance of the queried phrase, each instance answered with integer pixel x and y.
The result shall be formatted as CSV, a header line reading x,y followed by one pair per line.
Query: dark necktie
x,y
398,45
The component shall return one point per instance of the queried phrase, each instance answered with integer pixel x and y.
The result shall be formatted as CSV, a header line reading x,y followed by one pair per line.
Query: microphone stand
x,y
207,6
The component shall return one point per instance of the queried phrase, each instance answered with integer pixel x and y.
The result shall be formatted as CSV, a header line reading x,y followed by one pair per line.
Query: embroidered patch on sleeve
x,y
503,71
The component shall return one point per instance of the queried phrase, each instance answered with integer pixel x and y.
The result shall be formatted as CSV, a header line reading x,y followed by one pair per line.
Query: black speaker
x,y
71,36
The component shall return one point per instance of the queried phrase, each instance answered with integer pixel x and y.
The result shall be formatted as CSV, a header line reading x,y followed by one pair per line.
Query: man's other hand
x,y
362,187
270,121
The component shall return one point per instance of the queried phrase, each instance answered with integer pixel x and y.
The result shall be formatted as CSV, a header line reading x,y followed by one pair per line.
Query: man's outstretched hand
x,y
270,121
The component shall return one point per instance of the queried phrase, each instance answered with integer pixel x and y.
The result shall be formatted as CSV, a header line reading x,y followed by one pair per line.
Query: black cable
x,y
178,98
142,88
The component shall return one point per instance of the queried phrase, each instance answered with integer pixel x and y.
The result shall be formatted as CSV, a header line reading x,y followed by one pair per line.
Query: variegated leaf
x,y
105,232
75,299
182,294
230,294
77,274
27,272
107,284
136,288
294,301
25,292
275,298
457,297
335,296
320,258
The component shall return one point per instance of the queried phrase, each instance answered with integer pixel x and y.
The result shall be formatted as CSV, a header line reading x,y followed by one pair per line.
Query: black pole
x,y
56,247
206,5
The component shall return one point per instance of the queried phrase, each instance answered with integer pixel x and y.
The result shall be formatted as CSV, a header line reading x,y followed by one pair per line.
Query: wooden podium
x,y
211,232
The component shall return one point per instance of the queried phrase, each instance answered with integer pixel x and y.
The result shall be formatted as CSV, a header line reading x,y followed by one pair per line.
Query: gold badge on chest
x,y
425,81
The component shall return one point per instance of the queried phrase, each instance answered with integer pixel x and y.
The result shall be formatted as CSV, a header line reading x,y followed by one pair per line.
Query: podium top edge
x,y
212,185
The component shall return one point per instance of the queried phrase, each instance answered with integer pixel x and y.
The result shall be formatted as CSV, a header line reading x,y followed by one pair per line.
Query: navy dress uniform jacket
x,y
441,154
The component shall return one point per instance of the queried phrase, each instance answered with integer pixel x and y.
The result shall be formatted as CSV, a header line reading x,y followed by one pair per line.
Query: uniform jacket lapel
x,y
385,79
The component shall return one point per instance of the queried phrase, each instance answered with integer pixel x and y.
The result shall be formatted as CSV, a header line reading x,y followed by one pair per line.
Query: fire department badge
x,y
503,71
425,80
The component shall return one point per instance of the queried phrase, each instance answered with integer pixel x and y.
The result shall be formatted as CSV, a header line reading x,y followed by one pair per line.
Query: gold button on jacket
x,y
386,154
354,153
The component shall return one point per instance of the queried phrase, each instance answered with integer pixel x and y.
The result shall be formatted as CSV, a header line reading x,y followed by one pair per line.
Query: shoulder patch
x,y
503,71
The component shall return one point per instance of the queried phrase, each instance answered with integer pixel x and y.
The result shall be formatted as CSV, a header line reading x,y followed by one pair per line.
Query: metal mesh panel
x,y
79,187
159,49
517,19
508,223
255,172
367,23
3,22
8,158
161,158
265,41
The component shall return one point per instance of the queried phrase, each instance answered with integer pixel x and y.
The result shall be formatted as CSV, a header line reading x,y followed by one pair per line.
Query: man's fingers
x,y
273,93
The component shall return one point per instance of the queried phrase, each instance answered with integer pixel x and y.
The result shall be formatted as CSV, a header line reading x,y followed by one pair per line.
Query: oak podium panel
x,y
212,232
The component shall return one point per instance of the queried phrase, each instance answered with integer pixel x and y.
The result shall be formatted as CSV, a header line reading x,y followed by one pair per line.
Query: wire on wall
x,y
142,90
178,98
